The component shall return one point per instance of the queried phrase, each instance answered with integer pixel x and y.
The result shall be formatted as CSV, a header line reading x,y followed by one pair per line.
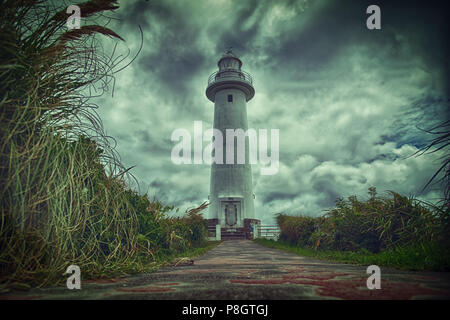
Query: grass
x,y
64,194
393,230
191,253
426,257
162,260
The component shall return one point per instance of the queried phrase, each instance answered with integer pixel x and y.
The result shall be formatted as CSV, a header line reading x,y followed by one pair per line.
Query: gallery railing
x,y
230,73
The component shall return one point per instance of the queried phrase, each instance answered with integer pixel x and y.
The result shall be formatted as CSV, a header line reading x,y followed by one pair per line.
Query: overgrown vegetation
x,y
393,230
64,193
427,257
441,142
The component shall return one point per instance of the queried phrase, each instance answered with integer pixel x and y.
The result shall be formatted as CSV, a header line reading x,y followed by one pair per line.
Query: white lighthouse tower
x,y
231,193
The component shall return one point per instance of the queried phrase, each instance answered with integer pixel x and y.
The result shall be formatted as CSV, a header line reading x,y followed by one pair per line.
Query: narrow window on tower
x,y
230,98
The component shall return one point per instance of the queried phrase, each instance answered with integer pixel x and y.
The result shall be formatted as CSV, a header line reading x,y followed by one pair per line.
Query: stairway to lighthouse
x,y
228,233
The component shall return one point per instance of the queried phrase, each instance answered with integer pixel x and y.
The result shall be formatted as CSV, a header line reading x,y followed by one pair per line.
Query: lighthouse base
x,y
249,231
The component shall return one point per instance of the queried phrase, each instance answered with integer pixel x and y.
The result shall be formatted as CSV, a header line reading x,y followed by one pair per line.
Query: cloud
x,y
347,100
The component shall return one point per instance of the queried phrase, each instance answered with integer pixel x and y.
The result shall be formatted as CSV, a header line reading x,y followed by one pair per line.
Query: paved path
x,y
242,269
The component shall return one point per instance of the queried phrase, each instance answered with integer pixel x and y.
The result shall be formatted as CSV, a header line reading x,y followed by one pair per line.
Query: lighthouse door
x,y
231,213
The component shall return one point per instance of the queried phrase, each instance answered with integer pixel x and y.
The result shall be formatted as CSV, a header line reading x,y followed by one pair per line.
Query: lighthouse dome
x,y
230,75
229,61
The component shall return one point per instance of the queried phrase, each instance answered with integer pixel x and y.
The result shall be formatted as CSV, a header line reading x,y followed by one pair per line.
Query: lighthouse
x,y
231,211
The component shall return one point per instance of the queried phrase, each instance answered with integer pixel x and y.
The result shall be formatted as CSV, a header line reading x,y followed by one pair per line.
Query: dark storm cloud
x,y
346,100
177,62
277,196
325,187
425,25
422,115
138,10
155,145
341,23
239,36
316,43
178,57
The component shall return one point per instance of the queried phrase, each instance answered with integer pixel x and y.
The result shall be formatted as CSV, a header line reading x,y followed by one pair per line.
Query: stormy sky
x,y
348,101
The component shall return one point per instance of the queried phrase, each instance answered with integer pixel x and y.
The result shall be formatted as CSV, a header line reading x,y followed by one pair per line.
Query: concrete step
x,y
231,235
228,233
233,238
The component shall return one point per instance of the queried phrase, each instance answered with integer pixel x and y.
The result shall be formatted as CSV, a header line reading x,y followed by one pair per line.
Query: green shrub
x,y
375,225
296,230
161,234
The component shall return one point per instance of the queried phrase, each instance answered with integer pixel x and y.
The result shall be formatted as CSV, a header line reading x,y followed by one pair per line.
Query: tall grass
x,y
392,224
440,143
64,195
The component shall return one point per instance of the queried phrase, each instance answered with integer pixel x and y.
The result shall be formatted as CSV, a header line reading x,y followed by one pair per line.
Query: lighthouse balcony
x,y
231,74
230,78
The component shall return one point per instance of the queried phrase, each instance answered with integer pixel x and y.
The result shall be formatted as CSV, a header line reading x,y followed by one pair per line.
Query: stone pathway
x,y
242,269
